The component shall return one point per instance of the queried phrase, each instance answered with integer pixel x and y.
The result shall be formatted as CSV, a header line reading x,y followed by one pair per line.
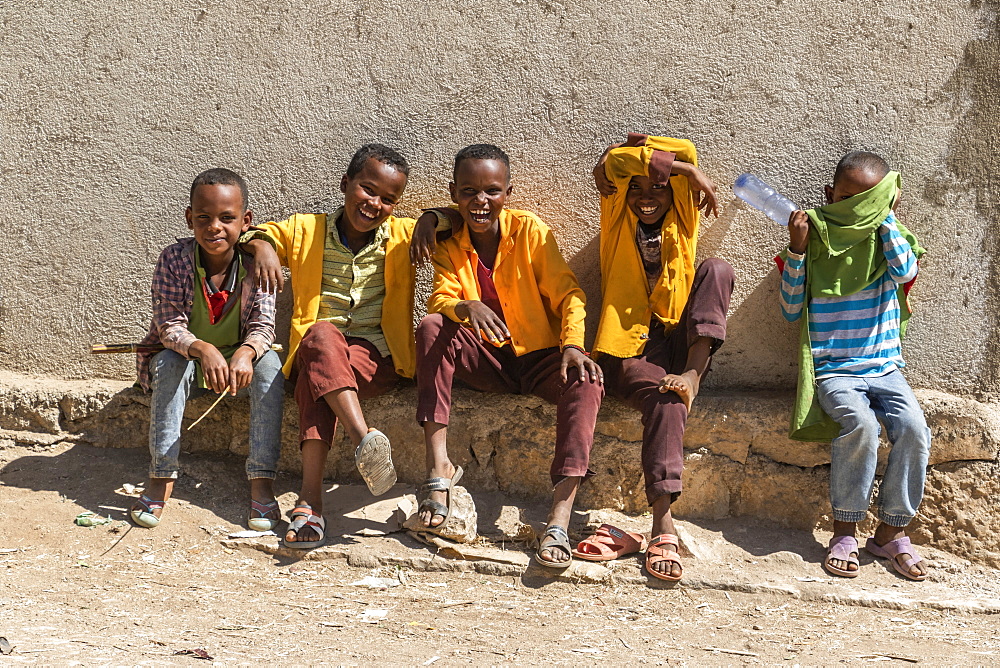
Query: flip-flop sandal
x,y
144,517
435,507
894,548
560,540
261,522
655,553
374,461
844,548
303,516
609,542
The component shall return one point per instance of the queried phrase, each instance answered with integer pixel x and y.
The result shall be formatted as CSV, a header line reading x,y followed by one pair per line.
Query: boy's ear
x,y
247,220
510,189
187,217
829,194
453,191
343,183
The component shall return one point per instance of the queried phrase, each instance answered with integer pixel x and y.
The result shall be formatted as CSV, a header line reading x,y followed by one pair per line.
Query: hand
x,y
481,318
267,268
601,180
702,187
213,365
424,239
587,368
798,232
241,369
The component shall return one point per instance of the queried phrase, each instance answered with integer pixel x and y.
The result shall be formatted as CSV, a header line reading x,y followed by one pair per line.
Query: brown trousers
x,y
447,351
636,380
327,361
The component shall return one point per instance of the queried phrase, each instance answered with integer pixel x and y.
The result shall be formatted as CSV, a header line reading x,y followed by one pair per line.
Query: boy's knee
x,y
718,270
269,364
430,328
863,425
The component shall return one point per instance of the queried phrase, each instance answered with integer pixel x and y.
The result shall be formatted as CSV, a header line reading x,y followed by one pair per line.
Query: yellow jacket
x,y
627,304
542,301
299,242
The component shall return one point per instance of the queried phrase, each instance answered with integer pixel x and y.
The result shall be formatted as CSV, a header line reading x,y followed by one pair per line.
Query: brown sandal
x,y
655,554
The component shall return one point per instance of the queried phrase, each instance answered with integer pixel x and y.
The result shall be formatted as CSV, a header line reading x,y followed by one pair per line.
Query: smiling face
x,y
480,189
850,183
649,201
370,196
217,218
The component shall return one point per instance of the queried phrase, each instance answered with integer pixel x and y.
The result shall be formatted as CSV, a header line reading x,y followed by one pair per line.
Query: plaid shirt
x,y
173,297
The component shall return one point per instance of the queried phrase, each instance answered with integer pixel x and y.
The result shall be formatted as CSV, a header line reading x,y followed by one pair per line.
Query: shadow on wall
x,y
973,158
761,347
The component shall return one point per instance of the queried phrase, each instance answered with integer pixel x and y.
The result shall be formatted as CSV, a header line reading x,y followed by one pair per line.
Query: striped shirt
x,y
353,286
858,334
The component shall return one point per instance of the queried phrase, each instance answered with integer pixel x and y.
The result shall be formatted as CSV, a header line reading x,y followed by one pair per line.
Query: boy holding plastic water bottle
x,y
661,319
847,270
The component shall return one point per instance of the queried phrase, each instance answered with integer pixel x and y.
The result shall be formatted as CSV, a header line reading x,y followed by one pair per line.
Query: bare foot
x,y
684,385
435,518
886,534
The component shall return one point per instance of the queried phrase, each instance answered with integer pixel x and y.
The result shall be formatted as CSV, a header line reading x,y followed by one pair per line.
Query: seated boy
x,y
352,319
217,329
846,268
506,315
661,319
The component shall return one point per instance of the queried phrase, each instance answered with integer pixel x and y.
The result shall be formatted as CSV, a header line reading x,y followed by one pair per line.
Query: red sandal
x,y
608,543
655,553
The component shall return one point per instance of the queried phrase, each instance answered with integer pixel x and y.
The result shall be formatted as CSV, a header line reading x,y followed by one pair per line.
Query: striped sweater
x,y
858,334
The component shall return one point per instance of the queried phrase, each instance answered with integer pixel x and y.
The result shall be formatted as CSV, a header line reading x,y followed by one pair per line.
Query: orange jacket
x,y
627,304
299,242
542,301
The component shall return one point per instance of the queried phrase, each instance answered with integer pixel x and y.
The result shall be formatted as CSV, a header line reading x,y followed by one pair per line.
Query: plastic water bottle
x,y
763,197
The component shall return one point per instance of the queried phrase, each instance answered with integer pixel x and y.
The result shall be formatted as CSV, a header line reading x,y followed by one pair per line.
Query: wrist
x,y
573,346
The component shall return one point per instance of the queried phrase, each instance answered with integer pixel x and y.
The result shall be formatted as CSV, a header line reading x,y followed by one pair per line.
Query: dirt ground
x,y
114,595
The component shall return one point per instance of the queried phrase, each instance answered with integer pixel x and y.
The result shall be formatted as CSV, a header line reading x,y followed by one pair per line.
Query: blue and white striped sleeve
x,y
793,286
902,262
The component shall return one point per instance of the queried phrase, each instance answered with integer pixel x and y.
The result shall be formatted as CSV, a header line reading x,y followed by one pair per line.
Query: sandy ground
x,y
114,595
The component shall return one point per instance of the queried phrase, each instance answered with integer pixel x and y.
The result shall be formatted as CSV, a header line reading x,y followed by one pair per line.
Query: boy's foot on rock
x,y
685,385
554,548
306,534
434,509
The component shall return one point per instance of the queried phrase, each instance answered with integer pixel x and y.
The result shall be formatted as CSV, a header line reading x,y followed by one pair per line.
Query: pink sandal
x,y
893,549
843,548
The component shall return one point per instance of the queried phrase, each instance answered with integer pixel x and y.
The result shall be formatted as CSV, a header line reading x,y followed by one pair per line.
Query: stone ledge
x,y
739,461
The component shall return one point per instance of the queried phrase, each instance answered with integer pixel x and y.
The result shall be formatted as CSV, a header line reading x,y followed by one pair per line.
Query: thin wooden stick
x,y
221,397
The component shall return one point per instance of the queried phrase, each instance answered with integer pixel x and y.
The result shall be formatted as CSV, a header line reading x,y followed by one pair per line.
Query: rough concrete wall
x,y
107,110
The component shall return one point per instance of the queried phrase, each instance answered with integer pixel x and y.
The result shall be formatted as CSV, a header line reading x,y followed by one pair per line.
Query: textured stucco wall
x,y
107,110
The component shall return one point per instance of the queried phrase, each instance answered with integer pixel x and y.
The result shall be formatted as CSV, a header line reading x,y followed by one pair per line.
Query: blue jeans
x,y
857,404
173,382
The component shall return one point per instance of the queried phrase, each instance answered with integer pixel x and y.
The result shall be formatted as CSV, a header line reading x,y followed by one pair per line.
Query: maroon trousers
x,y
636,380
327,361
447,351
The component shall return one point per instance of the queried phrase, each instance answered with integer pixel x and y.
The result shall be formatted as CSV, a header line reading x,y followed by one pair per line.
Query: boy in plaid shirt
x,y
217,329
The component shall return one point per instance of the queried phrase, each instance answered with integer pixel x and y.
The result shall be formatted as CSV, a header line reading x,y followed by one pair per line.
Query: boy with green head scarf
x,y
848,268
